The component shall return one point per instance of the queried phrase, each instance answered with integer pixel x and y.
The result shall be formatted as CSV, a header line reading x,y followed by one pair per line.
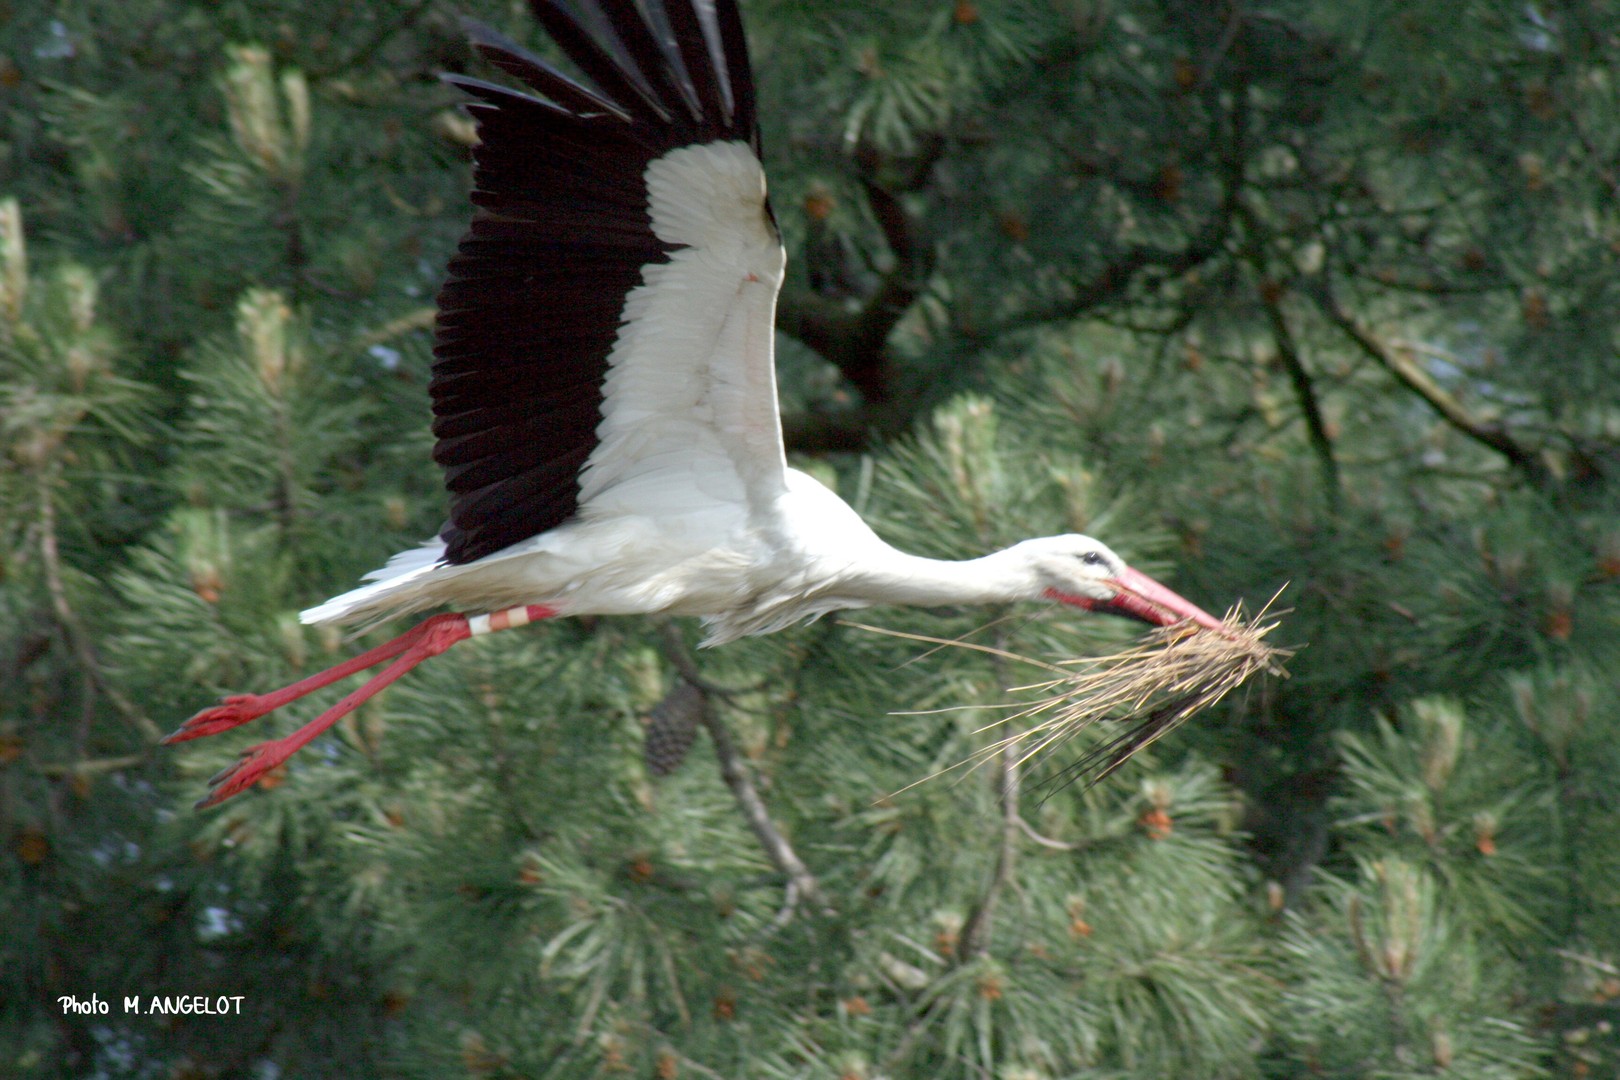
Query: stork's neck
x,y
854,564
898,578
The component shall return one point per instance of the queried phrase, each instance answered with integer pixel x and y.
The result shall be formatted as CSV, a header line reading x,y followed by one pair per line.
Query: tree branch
x,y
371,46
802,884
1210,240
67,618
89,767
1305,390
856,342
1046,841
976,931
1407,372
421,318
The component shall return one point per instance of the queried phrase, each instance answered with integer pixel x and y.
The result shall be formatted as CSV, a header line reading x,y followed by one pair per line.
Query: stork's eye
x,y
1092,558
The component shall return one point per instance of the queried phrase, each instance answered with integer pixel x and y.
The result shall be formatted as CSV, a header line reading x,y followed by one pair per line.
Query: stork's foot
x,y
247,770
428,638
230,712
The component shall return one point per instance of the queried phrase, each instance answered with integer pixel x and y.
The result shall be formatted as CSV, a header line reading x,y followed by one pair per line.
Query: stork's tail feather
x,y
396,589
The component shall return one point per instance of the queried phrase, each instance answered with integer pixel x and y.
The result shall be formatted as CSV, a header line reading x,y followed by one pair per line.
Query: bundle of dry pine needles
x,y
1148,689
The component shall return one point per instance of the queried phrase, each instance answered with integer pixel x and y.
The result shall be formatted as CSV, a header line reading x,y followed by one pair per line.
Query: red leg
x,y
240,708
429,639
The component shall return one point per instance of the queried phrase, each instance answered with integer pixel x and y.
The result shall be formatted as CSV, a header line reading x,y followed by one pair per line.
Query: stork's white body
x,y
725,562
604,388
803,554
687,506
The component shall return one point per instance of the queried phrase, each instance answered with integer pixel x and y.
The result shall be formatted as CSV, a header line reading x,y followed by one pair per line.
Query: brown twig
x,y
802,885
93,767
421,318
1046,841
976,931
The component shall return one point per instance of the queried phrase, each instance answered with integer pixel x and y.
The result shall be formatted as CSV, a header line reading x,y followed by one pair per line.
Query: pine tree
x,y
1308,297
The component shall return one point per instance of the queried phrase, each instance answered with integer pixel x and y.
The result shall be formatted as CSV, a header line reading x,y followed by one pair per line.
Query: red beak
x,y
1138,596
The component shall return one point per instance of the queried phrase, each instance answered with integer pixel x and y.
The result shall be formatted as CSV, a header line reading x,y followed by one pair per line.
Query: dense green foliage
x,y
1307,296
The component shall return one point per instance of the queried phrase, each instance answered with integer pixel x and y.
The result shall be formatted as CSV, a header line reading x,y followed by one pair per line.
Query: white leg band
x,y
498,620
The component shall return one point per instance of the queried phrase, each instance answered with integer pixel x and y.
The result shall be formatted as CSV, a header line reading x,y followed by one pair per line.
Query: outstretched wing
x,y
605,333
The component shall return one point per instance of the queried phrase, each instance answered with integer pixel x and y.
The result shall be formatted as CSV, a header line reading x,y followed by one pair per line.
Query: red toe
x,y
247,770
229,713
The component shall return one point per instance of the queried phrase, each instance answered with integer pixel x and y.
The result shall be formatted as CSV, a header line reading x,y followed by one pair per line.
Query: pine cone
x,y
671,728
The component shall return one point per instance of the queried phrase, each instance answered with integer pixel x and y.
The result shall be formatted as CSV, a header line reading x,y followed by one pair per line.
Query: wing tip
x,y
687,76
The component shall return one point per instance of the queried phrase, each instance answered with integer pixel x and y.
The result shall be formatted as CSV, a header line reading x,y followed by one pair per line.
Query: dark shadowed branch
x,y
854,341
77,637
1304,389
1410,375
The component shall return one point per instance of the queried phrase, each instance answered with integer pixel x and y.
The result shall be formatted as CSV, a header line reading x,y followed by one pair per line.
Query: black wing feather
x,y
699,59
534,297
506,54
599,53
739,76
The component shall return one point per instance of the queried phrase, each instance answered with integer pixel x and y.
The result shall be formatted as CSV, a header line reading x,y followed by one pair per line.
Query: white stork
x,y
604,392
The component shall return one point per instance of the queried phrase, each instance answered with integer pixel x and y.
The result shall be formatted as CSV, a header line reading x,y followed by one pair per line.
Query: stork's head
x,y
1084,573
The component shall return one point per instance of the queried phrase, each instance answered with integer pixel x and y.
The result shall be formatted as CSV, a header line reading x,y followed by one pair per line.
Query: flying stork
x,y
604,390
